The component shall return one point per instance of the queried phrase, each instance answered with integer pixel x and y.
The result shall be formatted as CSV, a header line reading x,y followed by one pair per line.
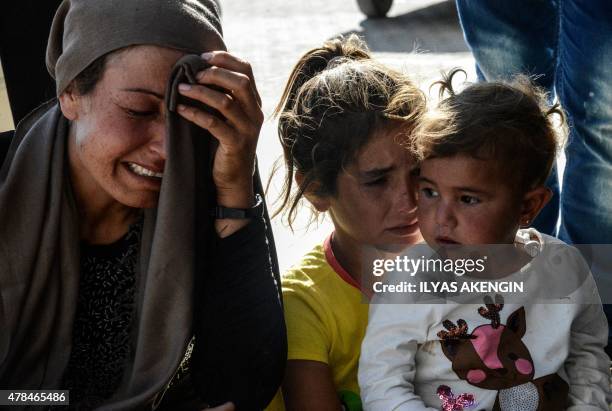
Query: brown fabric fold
x,y
84,30
169,251
39,258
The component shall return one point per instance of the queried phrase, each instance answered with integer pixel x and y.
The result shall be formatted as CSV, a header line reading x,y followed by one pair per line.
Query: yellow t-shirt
x,y
326,316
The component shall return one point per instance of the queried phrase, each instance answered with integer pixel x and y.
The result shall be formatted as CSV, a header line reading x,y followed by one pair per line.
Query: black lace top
x,y
103,320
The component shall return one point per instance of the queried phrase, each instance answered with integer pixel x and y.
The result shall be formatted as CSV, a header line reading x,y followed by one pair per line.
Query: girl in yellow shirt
x,y
343,121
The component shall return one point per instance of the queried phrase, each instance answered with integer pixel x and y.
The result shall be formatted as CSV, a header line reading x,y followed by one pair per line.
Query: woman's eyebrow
x,y
145,91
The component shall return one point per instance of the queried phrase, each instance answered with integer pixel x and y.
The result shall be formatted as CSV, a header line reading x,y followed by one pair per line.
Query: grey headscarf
x,y
39,236
84,30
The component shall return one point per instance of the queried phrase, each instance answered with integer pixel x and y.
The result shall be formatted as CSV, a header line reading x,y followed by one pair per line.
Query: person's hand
x,y
237,134
228,406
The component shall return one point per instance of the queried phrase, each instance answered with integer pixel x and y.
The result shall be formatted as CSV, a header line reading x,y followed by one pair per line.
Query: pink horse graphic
x,y
494,357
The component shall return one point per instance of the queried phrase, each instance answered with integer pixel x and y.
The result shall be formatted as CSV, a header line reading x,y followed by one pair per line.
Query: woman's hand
x,y
228,406
237,133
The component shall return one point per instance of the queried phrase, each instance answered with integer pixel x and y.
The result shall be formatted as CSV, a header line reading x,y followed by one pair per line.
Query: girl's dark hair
x,y
336,98
506,121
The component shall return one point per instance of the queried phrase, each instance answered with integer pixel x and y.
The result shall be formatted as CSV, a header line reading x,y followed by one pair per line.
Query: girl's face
x,y
117,146
375,202
463,200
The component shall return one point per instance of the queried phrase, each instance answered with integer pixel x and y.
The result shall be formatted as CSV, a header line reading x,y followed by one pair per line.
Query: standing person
x,y
135,259
343,117
568,45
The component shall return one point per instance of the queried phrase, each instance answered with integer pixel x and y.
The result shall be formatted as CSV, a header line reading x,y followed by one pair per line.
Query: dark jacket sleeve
x,y
241,343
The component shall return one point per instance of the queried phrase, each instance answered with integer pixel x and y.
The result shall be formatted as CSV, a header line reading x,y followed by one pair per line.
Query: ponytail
x,y
334,100
317,60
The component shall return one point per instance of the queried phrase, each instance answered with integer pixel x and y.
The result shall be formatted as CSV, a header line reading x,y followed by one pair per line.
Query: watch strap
x,y
221,212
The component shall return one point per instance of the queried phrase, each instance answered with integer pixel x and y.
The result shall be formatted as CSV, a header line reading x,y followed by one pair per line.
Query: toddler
x,y
487,152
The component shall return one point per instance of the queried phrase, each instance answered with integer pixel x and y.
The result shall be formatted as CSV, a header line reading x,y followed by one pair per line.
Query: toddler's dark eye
x,y
429,192
469,200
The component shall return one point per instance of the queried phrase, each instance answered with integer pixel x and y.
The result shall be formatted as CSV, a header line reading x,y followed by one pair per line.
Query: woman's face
x,y
375,201
117,145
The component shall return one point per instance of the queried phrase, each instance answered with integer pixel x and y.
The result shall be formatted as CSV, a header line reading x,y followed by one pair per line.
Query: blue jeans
x,y
568,44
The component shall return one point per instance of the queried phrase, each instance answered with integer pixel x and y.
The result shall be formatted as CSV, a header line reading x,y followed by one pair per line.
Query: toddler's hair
x,y
506,121
336,98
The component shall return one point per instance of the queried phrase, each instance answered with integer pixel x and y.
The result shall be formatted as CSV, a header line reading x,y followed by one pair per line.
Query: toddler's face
x,y
464,200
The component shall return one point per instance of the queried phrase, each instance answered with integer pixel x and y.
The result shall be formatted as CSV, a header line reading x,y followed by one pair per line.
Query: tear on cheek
x,y
476,376
523,366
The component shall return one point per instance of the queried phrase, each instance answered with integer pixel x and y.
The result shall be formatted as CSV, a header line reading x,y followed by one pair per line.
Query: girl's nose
x,y
444,215
406,199
406,195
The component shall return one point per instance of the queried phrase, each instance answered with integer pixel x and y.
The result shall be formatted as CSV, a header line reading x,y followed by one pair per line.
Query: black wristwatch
x,y
257,210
